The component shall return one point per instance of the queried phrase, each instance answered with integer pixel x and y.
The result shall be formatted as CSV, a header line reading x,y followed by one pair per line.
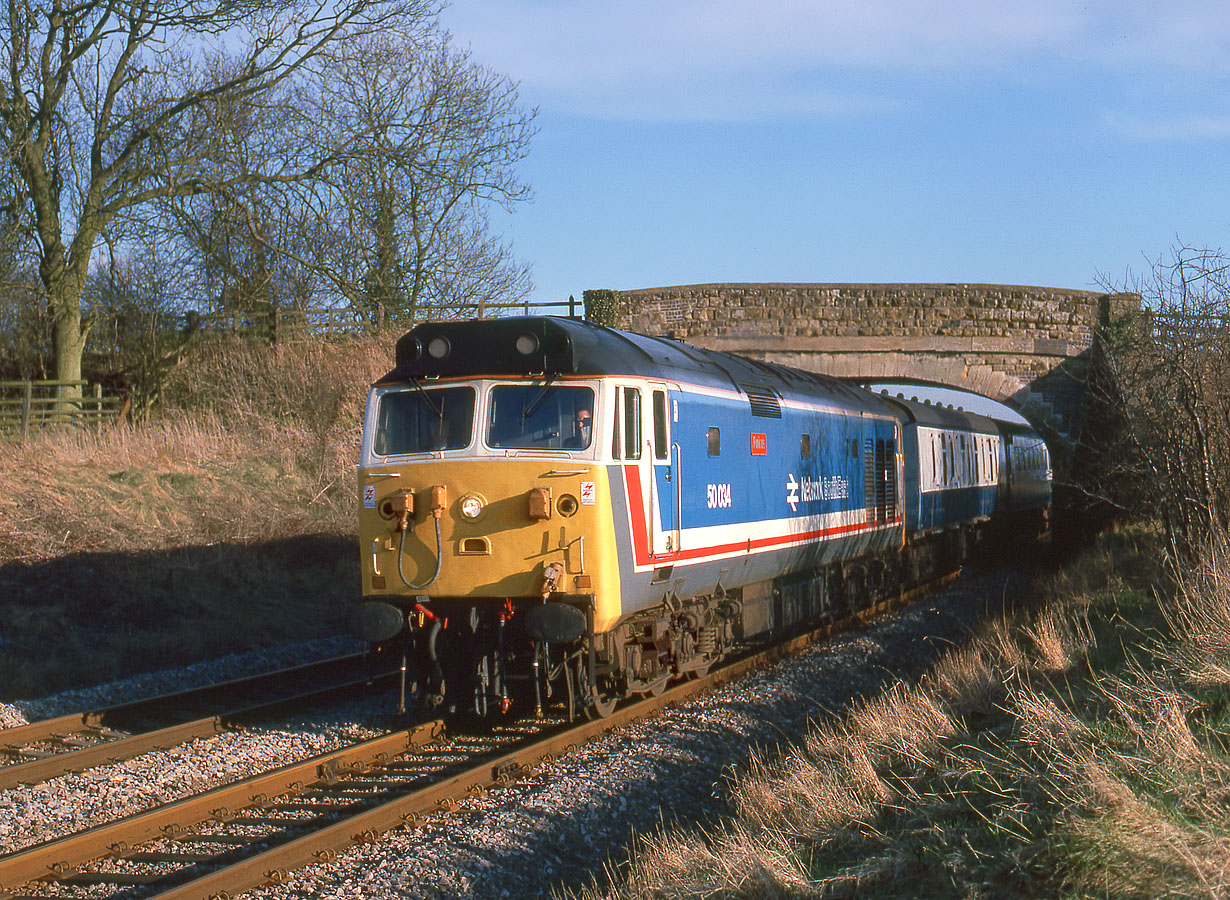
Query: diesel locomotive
x,y
555,513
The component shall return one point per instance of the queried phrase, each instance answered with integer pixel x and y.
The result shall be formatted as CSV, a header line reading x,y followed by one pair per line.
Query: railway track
x,y
41,750
255,831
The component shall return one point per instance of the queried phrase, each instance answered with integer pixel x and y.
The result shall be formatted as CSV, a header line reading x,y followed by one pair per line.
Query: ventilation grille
x,y
880,479
765,403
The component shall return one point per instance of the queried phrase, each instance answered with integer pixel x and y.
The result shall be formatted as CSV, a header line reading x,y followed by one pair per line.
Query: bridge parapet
x,y
1028,347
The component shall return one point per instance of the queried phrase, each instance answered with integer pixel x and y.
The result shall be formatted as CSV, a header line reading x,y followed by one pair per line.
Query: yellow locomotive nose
x,y
437,535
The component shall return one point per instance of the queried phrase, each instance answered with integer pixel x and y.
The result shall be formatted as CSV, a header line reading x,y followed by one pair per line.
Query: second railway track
x,y
73,743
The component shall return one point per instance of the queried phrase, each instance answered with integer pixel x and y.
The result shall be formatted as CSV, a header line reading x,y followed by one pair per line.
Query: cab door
x,y
650,462
662,456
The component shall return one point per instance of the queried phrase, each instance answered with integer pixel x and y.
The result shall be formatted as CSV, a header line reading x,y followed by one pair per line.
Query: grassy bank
x,y
226,524
1080,751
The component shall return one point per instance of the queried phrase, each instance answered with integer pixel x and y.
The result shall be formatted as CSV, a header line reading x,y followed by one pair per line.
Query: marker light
x,y
472,507
438,347
527,344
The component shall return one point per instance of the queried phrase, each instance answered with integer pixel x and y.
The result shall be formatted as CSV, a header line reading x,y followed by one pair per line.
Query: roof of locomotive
x,y
526,345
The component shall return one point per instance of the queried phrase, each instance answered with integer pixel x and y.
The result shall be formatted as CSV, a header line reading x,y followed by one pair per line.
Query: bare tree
x,y
400,225
1170,382
136,300
239,234
101,106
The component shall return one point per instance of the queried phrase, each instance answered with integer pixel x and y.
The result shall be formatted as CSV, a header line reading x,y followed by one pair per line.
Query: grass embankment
x,y
227,524
1079,751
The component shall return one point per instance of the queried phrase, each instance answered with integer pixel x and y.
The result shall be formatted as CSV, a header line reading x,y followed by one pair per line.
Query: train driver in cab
x,y
581,434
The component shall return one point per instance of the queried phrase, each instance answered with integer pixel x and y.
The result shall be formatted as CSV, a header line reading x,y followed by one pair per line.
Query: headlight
x,y
527,344
472,506
438,347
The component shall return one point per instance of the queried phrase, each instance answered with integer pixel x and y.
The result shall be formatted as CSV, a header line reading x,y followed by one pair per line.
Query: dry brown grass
x,y
185,537
259,443
1079,751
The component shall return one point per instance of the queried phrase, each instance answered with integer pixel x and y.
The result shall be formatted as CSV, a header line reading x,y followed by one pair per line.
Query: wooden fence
x,y
27,406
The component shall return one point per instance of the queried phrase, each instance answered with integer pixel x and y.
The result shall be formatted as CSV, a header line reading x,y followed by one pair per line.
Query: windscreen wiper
x,y
427,397
532,407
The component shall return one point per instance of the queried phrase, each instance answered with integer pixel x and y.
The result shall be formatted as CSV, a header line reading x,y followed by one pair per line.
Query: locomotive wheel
x,y
656,688
595,705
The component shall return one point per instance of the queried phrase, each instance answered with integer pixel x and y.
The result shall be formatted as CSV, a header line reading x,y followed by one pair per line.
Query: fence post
x,y
27,394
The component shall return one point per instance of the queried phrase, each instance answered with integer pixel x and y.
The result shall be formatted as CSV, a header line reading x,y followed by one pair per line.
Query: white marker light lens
x,y
527,344
438,348
471,507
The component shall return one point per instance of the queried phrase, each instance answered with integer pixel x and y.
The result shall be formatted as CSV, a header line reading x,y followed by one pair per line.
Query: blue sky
x,y
684,142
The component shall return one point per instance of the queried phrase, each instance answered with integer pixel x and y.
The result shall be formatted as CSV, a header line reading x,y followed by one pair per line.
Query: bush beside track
x,y
225,525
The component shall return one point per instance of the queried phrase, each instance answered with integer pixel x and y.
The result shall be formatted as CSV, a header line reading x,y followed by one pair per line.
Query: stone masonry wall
x,y
1023,314
1023,345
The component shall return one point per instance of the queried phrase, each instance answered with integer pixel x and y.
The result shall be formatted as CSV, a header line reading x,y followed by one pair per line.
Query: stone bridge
x,y
1030,348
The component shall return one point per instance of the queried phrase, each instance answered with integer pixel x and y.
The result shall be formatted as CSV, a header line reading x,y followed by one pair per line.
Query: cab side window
x,y
632,423
660,449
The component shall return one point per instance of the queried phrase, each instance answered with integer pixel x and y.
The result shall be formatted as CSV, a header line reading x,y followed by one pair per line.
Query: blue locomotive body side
x,y
784,475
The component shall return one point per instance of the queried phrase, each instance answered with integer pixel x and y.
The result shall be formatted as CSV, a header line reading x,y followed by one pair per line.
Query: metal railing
x,y
281,325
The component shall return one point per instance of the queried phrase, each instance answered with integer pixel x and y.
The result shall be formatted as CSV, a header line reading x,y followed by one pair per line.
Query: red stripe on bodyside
x,y
643,556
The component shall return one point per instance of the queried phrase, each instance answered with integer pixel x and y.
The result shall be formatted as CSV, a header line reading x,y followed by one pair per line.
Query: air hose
x,y
401,555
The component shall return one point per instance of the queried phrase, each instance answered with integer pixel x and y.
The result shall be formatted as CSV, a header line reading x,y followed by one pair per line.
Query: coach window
x,y
632,423
805,446
660,450
715,441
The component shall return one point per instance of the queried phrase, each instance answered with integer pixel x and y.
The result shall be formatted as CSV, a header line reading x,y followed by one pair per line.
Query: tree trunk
x,y
64,285
69,343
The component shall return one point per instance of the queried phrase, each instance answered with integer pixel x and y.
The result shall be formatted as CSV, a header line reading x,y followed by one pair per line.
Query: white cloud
x,y
753,58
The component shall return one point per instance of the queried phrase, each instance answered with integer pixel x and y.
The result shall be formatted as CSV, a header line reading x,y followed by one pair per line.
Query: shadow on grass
x,y
91,618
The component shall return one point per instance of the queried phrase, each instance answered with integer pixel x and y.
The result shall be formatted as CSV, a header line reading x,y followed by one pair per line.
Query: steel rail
x,y
96,738
63,859
64,856
274,864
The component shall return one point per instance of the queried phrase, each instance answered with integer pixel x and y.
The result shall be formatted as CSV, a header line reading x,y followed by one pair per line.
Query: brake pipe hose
x,y
401,555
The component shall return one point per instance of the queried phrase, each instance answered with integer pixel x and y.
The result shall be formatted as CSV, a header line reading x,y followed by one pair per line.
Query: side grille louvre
x,y
764,402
